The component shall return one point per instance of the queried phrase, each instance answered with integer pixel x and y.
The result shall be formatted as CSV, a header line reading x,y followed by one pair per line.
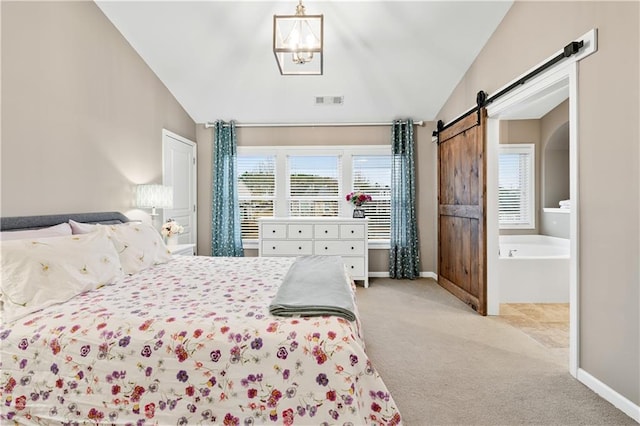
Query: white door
x,y
179,171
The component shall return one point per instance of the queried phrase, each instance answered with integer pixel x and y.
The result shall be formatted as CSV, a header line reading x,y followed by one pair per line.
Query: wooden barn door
x,y
462,243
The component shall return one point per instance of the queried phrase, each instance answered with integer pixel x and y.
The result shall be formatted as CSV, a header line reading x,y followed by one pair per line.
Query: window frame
x,y
530,150
346,176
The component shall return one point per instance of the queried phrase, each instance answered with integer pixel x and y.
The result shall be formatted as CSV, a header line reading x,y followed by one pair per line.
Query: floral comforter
x,y
190,341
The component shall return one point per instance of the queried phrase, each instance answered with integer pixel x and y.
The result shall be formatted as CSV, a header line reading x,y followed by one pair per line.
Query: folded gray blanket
x,y
315,286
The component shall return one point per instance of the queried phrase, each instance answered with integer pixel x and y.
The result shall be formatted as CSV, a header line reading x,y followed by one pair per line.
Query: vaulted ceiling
x,y
389,59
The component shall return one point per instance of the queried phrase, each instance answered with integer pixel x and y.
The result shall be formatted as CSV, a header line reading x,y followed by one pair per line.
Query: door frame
x,y
564,72
193,181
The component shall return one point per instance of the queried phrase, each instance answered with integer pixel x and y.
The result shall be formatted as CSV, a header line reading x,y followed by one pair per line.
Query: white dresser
x,y
182,249
303,236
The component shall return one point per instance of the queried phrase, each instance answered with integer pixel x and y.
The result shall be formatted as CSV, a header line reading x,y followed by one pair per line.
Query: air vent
x,y
329,100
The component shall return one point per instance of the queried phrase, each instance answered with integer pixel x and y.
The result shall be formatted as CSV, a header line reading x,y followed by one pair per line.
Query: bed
x,y
182,340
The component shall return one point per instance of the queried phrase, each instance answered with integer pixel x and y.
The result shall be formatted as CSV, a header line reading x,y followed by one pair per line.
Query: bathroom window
x,y
516,186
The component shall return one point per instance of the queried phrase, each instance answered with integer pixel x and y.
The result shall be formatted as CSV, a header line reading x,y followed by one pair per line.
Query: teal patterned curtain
x,y
226,239
403,254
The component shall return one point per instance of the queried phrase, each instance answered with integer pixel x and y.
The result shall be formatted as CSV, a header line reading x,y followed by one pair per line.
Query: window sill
x,y
517,227
555,210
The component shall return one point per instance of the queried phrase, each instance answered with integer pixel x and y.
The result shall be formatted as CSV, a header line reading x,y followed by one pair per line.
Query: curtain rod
x,y
210,124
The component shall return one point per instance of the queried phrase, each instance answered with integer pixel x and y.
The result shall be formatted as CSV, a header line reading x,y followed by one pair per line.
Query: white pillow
x,y
52,231
37,273
139,246
81,228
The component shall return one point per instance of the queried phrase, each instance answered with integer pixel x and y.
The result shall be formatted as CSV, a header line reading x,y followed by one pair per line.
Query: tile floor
x,y
547,323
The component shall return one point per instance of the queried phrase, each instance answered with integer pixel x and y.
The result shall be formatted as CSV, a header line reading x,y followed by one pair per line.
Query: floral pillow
x,y
139,246
37,273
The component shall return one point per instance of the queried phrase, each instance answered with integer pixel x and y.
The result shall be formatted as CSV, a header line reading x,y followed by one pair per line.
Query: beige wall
x,y
539,132
555,179
609,160
372,135
554,135
82,114
524,131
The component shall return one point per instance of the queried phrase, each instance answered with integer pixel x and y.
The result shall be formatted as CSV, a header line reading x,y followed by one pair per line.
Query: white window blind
x,y
372,175
314,185
516,186
283,181
256,191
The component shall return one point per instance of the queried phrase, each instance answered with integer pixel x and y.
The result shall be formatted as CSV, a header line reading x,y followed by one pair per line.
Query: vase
x,y
172,240
358,213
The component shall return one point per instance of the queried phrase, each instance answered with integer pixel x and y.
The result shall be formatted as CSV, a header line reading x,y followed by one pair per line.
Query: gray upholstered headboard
x,y
18,223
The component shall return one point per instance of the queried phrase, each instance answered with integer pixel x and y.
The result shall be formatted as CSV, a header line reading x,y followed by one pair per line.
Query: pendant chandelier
x,y
298,42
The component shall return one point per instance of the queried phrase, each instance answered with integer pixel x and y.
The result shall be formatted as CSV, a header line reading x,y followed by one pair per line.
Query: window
x,y
314,185
256,191
313,181
516,179
372,175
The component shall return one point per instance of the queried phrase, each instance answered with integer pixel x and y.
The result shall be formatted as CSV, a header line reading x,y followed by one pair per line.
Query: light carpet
x,y
446,365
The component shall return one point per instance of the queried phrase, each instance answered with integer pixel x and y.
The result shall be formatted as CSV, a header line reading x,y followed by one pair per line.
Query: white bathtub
x,y
533,269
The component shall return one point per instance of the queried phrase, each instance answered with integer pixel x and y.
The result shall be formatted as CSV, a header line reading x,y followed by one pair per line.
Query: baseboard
x,y
429,275
386,275
620,402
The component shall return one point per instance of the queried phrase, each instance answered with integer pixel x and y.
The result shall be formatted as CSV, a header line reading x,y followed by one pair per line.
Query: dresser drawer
x,y
326,231
319,236
355,266
339,248
352,231
298,230
272,230
286,248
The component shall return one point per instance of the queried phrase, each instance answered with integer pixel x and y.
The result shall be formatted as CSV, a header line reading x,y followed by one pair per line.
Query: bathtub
x,y
533,269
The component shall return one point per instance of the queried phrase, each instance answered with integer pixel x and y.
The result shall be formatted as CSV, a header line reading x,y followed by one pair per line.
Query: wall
x,y
82,114
425,160
554,130
550,182
554,134
609,163
524,131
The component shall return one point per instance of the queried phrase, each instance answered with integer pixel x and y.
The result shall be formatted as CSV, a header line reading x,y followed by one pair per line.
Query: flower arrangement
x,y
171,228
358,198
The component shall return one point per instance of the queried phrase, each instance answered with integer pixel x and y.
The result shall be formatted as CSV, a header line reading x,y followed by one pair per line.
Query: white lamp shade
x,y
154,196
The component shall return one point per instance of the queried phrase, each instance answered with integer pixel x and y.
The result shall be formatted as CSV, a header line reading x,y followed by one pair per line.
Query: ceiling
x,y
389,59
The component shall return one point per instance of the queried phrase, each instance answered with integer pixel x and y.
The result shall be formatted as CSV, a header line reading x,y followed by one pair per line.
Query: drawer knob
x,y
352,248
273,231
352,231
299,231
326,232
326,248
299,248
351,266
274,247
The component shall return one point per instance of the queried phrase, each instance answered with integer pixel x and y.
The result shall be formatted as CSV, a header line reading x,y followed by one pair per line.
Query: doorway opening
x,y
533,100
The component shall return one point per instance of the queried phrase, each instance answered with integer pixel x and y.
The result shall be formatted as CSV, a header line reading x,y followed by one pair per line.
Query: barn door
x,y
462,243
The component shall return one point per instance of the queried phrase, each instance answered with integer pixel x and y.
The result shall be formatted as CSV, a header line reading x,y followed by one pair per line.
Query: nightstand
x,y
182,249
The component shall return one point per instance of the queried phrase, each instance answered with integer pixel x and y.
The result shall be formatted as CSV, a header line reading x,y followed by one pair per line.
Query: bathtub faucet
x,y
511,252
